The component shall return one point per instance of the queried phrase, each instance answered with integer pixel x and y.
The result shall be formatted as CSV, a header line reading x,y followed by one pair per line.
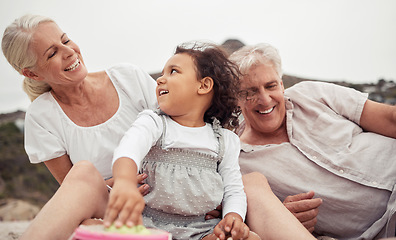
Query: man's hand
x,y
305,208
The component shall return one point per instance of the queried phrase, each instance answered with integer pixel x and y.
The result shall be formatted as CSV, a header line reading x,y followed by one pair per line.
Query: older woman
x,y
74,115
321,137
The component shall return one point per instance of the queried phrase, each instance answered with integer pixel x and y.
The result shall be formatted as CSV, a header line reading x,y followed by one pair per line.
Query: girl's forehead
x,y
181,60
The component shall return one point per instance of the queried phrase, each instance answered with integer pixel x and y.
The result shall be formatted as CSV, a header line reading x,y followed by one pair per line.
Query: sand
x,y
10,230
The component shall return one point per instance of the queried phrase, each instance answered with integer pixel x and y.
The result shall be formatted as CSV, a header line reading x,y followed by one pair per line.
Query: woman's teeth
x,y
266,111
73,66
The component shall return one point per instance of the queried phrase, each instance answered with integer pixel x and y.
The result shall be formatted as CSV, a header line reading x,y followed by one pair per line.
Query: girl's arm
x,y
379,118
126,203
234,199
59,167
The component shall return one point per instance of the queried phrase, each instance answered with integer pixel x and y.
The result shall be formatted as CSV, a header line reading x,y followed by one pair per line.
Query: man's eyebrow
x,y
53,45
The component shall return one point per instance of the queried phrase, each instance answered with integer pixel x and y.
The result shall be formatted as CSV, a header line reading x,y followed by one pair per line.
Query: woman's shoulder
x,y
42,107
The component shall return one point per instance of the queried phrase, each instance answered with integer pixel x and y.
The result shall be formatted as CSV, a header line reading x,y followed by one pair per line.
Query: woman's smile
x,y
73,66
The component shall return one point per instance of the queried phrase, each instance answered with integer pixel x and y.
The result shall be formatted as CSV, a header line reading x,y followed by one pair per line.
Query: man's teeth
x,y
73,66
266,111
162,92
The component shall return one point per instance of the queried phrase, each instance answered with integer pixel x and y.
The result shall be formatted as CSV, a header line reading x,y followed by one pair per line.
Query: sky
x,y
334,40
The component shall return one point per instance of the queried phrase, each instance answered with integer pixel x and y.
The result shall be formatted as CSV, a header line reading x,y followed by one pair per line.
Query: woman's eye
x,y
52,54
66,42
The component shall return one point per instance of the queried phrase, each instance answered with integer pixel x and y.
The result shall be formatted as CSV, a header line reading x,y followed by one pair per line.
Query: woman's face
x,y
59,61
178,85
261,99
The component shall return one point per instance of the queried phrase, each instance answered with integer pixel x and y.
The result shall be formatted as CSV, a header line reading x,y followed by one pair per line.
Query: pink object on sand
x,y
96,232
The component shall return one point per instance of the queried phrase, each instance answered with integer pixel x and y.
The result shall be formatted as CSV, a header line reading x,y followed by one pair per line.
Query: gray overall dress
x,y
185,185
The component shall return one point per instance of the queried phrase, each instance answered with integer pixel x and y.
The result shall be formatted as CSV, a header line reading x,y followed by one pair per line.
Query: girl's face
x,y
178,85
59,61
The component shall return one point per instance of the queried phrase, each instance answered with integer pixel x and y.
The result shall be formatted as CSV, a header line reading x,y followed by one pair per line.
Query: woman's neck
x,y
75,95
80,93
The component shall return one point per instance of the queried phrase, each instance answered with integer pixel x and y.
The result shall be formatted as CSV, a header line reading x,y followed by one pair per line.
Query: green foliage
x,y
18,177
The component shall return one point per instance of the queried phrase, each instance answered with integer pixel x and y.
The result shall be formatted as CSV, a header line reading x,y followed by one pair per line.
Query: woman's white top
x,y
49,133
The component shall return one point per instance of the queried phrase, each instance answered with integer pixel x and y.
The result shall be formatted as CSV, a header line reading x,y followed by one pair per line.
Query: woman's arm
x,y
59,167
379,118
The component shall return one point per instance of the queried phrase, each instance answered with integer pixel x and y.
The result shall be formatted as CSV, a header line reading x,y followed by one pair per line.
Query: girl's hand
x,y
144,188
125,205
231,226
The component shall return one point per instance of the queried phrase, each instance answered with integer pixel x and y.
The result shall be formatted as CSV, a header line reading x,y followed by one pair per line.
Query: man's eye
x,y
247,94
250,93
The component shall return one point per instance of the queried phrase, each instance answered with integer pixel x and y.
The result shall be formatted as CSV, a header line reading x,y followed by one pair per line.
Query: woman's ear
x,y
29,74
206,85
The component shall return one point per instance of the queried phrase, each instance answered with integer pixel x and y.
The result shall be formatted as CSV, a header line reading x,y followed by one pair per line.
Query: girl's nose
x,y
160,80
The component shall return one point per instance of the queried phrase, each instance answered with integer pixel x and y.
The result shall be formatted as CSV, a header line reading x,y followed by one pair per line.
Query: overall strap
x,y
161,140
220,138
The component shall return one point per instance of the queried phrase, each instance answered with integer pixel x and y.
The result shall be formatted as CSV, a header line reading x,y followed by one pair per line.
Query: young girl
x,y
190,160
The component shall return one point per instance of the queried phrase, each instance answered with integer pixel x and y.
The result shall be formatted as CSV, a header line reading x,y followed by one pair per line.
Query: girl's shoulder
x,y
228,134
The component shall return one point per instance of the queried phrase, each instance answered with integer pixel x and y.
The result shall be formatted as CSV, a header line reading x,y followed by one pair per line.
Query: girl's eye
x,y
173,71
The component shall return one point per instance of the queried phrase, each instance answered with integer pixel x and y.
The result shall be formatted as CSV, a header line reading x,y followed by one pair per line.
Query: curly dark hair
x,y
211,61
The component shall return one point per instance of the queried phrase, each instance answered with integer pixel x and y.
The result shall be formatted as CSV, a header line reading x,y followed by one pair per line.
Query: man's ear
x,y
29,74
206,85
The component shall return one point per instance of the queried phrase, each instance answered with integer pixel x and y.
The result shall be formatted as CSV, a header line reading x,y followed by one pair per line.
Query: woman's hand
x,y
304,208
125,205
216,213
231,226
143,188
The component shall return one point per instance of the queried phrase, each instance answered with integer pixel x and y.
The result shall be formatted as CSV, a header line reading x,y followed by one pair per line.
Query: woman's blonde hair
x,y
15,46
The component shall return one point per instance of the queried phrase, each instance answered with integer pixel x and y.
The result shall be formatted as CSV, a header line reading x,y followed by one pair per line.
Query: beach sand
x,y
10,230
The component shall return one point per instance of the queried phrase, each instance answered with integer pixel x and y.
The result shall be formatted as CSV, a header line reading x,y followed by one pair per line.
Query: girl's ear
x,y
29,74
206,85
